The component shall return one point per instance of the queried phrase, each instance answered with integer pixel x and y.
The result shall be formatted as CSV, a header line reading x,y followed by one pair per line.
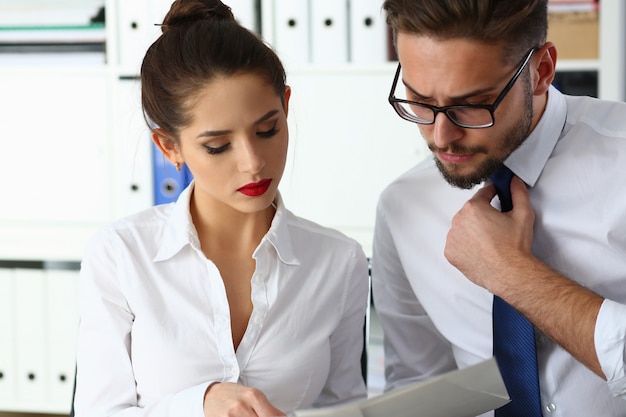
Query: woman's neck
x,y
222,228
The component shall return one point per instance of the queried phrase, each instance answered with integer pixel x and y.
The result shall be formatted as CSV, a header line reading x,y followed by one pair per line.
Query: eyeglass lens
x,y
463,116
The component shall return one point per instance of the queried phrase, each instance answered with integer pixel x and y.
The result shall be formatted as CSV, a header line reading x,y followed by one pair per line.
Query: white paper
x,y
466,392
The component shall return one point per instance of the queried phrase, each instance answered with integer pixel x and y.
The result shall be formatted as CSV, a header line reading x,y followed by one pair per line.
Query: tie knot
x,y
501,179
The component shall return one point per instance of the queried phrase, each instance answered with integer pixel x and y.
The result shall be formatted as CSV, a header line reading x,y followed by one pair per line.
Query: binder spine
x,y
168,182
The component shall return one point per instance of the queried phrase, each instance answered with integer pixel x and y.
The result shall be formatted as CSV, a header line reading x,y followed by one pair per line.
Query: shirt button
x,y
258,319
551,408
538,341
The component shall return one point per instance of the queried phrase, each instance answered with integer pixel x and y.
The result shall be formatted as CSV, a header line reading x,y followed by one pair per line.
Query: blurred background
x,y
77,154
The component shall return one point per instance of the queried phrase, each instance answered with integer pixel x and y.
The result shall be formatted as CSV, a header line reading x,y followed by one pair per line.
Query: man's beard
x,y
513,138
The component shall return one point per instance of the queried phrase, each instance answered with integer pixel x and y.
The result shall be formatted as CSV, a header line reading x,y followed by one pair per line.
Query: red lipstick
x,y
255,189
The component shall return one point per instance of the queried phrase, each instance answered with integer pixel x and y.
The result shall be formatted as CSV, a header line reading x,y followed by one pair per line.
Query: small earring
x,y
177,164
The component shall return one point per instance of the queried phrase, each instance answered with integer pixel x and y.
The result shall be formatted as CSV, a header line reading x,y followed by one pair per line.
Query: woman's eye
x,y
269,133
214,151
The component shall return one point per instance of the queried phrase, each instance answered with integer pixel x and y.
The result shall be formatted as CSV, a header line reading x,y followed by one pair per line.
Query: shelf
x,y
575,65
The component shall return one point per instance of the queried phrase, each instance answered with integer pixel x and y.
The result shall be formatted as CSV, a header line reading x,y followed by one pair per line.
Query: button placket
x,y
259,311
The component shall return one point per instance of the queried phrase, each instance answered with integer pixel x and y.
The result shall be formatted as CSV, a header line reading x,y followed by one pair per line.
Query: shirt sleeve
x,y
345,381
610,341
414,348
105,384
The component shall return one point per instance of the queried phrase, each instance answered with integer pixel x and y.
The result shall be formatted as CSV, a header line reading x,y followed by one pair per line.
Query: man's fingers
x,y
519,192
486,193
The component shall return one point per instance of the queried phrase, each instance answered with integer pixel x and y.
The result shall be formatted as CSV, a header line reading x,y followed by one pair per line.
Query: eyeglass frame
x,y
444,109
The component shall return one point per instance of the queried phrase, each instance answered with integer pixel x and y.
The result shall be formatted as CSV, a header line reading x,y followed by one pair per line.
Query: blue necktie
x,y
514,337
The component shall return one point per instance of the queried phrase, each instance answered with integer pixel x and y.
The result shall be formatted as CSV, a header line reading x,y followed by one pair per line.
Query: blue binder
x,y
168,183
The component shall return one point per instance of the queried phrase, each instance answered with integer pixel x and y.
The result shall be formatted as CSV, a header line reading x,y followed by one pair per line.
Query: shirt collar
x,y
180,231
279,235
528,160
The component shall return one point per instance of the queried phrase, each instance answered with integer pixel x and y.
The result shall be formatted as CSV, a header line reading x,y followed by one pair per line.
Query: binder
x,y
168,183
158,9
137,28
133,25
246,13
292,31
30,335
61,320
7,341
368,32
133,179
329,31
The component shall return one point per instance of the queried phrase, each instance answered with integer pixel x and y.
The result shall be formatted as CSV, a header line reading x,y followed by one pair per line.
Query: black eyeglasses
x,y
472,116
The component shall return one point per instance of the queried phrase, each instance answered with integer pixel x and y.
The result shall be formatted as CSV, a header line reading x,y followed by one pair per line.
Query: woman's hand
x,y
234,400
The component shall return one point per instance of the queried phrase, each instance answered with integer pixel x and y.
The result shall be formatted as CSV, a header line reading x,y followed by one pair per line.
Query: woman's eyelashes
x,y
214,151
263,134
269,133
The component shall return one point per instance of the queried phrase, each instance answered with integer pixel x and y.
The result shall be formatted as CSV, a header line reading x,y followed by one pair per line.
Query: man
x,y
475,75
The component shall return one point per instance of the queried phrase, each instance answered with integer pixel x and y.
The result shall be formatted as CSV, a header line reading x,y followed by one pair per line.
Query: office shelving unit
x,y
77,156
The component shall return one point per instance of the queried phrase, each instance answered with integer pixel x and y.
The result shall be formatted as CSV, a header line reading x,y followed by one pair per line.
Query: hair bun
x,y
185,12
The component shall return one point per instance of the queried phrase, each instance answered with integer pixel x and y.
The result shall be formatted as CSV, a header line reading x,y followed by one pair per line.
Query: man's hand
x,y
493,250
482,240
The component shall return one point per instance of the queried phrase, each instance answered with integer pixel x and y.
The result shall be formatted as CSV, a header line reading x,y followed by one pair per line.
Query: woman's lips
x,y
255,189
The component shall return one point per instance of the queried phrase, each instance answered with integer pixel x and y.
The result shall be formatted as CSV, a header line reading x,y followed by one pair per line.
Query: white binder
x,y
368,32
133,24
30,335
292,31
329,31
61,321
246,13
138,26
133,149
7,341
157,12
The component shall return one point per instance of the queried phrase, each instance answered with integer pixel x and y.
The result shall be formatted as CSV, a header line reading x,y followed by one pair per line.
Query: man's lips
x,y
454,158
255,189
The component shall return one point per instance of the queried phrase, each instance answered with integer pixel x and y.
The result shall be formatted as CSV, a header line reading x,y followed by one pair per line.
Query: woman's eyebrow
x,y
214,133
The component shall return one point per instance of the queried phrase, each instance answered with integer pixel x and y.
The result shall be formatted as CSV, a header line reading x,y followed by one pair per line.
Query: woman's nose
x,y
250,158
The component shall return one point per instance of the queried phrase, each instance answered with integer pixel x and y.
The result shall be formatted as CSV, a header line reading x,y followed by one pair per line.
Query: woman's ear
x,y
287,97
545,69
168,146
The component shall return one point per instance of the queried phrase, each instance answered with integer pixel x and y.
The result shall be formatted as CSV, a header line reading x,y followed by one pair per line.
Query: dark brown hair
x,y
518,24
201,41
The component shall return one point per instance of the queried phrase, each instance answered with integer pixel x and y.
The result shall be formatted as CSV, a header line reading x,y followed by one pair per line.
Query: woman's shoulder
x,y
311,233
139,225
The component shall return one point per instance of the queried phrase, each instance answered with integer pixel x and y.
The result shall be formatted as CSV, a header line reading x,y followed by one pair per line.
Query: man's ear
x,y
168,146
545,69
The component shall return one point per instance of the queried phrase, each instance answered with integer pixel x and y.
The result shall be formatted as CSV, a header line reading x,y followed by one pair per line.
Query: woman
x,y
223,303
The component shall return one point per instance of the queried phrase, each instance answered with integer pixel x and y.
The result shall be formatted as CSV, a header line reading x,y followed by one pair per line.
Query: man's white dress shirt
x,y
155,326
436,320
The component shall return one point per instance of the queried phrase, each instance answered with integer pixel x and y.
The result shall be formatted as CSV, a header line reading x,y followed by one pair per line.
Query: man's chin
x,y
464,182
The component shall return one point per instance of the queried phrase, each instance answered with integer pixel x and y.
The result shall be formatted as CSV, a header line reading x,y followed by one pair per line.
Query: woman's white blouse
x,y
155,323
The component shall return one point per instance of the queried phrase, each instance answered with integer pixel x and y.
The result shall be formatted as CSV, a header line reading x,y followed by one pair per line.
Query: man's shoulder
x,y
601,114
